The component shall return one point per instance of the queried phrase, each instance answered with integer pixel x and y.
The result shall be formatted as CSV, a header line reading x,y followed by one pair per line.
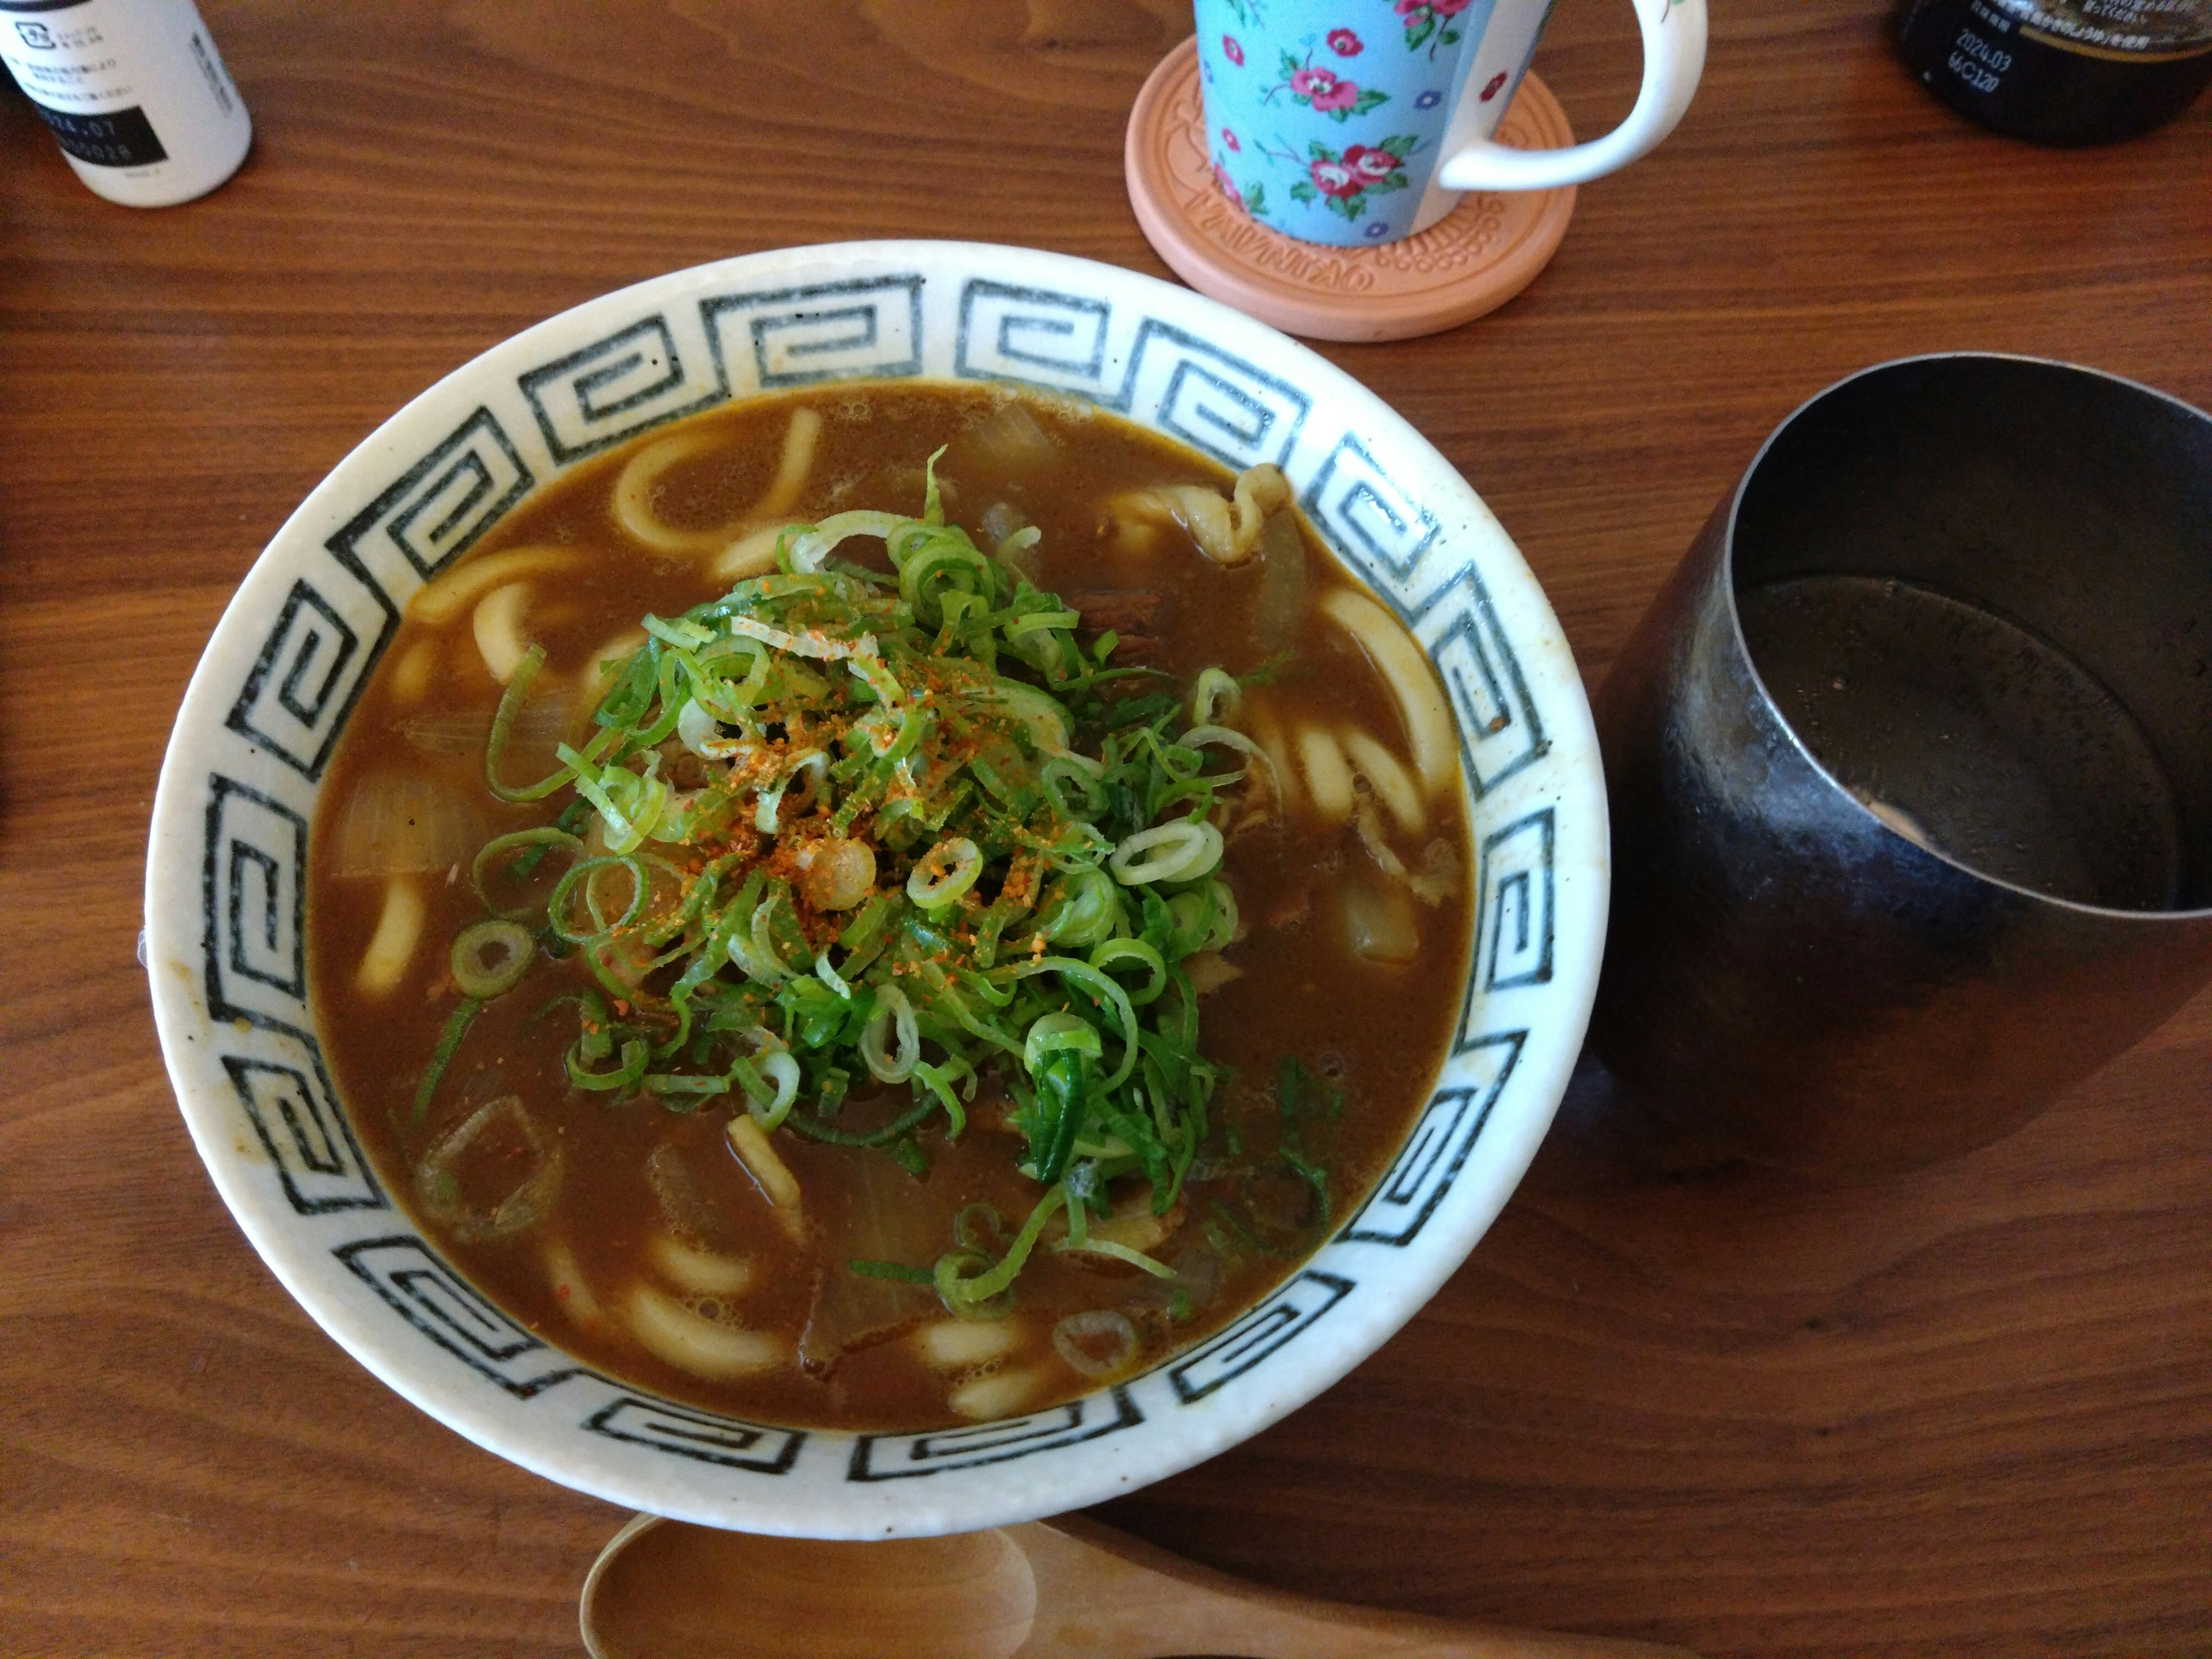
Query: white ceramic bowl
x,y
224,901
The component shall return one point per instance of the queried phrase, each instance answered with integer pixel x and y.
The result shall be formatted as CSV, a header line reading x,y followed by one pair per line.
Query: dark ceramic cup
x,y
1910,768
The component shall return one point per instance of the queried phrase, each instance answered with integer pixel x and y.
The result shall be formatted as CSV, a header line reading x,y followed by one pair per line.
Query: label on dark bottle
x,y
2134,30
2080,72
117,138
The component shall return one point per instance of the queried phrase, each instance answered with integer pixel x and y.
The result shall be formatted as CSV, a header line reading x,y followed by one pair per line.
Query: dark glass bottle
x,y
2063,71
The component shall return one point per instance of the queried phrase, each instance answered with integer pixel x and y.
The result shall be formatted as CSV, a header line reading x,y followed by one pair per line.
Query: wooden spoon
x,y
664,1589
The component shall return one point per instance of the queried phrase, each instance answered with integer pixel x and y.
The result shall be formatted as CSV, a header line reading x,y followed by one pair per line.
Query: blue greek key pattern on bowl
x,y
636,378
1215,401
1407,1196
330,632
1513,909
1035,337
312,667
296,1116
908,1456
701,1436
254,888
443,1306
1368,519
1219,405
1500,732
1266,1331
254,973
440,507
865,330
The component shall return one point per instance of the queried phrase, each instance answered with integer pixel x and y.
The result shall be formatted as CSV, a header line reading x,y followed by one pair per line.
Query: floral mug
x,y
1351,122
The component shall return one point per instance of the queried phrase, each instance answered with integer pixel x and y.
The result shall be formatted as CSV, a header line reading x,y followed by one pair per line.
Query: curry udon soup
x,y
890,905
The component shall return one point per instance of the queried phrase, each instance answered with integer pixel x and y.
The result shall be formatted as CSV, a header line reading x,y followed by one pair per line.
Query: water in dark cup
x,y
1966,598
1971,735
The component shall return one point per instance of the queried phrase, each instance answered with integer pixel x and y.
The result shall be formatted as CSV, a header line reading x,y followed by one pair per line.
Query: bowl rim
x,y
1524,1096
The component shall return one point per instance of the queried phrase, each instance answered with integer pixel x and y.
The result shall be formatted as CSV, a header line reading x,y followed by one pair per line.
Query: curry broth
x,y
635,1171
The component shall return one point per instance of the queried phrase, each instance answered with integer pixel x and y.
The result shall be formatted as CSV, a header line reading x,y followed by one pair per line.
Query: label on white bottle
x,y
134,92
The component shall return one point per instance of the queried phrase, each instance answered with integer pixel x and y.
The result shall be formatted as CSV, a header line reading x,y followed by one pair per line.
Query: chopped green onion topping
x,y
1008,851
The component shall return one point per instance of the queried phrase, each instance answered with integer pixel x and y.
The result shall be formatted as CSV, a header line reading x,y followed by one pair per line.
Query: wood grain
x,y
1963,1413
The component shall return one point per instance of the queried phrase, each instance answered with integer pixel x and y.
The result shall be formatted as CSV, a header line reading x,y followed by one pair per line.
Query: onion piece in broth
x,y
1097,1343
1379,924
500,1133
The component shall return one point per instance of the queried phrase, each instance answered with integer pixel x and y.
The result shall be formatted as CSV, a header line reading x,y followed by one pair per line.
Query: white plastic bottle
x,y
134,91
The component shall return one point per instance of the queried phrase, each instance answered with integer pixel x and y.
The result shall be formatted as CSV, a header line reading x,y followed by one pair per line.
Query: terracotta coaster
x,y
1471,261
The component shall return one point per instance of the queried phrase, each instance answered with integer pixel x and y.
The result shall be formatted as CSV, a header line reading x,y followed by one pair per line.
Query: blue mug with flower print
x,y
1355,122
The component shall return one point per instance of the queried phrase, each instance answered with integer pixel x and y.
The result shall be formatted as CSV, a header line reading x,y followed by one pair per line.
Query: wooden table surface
x,y
1968,1412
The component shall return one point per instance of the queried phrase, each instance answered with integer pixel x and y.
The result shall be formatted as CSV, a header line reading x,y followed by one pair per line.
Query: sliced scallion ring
x,y
1182,851
1225,915
1214,696
490,958
894,1015
585,870
1072,786
942,874
1225,737
1057,1033
782,1071
1087,911
1102,986
1115,952
520,841
968,1281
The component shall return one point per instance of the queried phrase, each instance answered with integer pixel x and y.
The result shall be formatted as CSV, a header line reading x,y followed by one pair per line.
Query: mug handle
x,y
1674,59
